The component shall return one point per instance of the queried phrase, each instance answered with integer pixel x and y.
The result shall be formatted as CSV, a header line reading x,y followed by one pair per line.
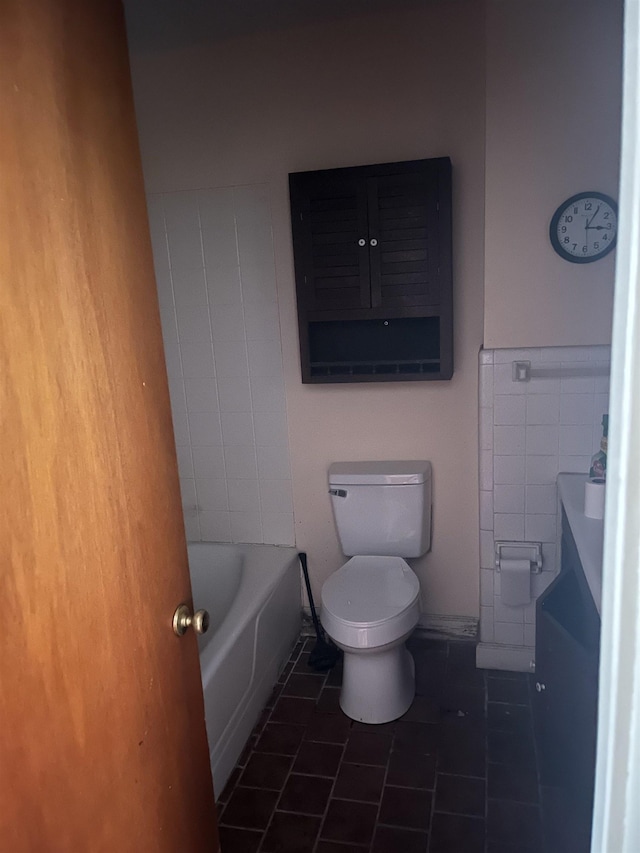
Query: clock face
x,y
584,227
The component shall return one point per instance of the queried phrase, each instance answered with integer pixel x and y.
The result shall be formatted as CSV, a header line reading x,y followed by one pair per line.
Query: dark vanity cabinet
x,y
372,251
566,696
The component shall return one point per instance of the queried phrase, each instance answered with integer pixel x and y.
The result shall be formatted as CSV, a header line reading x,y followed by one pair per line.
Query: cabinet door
x,y
403,239
331,239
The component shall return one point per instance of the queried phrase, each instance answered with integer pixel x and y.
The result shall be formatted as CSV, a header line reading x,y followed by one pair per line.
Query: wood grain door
x,y
102,738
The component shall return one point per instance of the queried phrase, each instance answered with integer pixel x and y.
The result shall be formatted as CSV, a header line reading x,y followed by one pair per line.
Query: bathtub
x,y
252,593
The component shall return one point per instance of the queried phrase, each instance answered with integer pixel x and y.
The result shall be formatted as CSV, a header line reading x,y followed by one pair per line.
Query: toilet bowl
x,y
370,606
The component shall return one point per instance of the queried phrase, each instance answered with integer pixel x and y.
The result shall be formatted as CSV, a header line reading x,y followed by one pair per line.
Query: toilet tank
x,y
382,508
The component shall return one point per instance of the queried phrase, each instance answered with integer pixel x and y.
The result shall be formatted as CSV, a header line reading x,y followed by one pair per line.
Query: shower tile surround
x,y
215,273
528,433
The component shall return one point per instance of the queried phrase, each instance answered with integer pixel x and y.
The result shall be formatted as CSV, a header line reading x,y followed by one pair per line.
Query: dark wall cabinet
x,y
372,250
566,699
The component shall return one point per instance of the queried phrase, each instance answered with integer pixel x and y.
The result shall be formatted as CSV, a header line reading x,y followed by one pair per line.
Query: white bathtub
x,y
252,593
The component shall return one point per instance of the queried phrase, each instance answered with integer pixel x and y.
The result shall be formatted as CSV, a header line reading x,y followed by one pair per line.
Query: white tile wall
x,y
215,272
528,433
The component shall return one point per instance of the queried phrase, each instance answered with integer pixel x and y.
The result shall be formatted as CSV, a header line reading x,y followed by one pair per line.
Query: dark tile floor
x,y
457,774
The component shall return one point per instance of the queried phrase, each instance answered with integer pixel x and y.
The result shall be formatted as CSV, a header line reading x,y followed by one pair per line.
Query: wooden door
x,y
102,738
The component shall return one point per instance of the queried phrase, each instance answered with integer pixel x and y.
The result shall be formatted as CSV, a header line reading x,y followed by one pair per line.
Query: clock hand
x,y
594,216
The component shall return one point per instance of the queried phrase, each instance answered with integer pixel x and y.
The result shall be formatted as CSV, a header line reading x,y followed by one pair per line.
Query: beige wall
x,y
553,117
387,86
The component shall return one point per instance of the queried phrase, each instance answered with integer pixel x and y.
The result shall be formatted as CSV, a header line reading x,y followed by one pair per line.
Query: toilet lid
x,y
369,590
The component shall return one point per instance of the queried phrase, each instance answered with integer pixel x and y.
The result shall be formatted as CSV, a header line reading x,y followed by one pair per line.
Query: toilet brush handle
x,y
305,571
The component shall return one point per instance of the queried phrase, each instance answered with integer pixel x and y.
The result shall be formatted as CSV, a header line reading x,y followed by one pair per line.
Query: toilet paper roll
x,y
515,582
594,494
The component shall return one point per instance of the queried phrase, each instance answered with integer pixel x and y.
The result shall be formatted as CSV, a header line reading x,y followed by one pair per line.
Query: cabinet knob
x,y
362,242
540,687
373,241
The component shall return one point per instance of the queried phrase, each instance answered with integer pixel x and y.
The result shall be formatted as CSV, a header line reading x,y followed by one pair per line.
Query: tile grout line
x,y
293,759
457,668
486,763
236,785
377,823
435,778
302,741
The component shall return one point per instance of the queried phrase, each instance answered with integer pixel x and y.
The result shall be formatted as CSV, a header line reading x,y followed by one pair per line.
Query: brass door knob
x,y
184,619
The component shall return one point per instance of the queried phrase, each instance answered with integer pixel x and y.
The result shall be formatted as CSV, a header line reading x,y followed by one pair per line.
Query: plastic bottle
x,y
598,470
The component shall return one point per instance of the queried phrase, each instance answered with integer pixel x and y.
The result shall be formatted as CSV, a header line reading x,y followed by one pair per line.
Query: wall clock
x,y
584,228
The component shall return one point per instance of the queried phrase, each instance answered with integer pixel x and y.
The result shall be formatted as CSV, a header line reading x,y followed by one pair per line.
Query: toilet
x,y
370,605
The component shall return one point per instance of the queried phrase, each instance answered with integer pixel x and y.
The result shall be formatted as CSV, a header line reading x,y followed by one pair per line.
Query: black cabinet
x,y
566,698
372,250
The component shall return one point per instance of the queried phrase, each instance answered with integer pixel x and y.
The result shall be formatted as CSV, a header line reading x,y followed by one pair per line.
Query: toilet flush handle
x,y
338,493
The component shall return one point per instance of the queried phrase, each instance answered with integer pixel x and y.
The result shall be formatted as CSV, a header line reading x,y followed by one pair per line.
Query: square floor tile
x,y
368,748
390,839
334,676
306,794
239,840
249,808
246,752
266,771
271,701
509,718
511,823
462,751
328,728
523,846
286,672
349,822
511,782
302,664
510,690
460,795
359,782
462,656
292,709
308,686
512,748
329,701
423,710
411,769
318,759
418,737
280,738
406,807
310,780
291,833
231,783
469,700
456,834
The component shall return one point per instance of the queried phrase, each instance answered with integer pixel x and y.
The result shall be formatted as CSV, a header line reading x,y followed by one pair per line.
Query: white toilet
x,y
370,606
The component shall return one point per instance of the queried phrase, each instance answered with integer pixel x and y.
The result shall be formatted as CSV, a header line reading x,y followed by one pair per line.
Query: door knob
x,y
183,619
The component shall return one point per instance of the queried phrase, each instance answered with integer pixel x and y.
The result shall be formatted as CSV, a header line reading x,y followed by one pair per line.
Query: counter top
x,y
587,532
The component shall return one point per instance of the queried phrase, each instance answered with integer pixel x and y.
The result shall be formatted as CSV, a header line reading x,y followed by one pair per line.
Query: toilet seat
x,y
371,601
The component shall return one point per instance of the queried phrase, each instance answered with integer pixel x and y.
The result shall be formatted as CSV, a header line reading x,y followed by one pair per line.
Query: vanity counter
x,y
588,533
565,704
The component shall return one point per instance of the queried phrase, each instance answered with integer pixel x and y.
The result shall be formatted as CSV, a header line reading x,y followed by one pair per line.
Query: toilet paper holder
x,y
531,551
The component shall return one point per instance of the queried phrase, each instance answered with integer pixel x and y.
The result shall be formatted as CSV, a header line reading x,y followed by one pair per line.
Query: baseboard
x,y
511,658
448,627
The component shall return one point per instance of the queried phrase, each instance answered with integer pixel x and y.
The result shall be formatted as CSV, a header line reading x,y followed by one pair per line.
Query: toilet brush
x,y
324,655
